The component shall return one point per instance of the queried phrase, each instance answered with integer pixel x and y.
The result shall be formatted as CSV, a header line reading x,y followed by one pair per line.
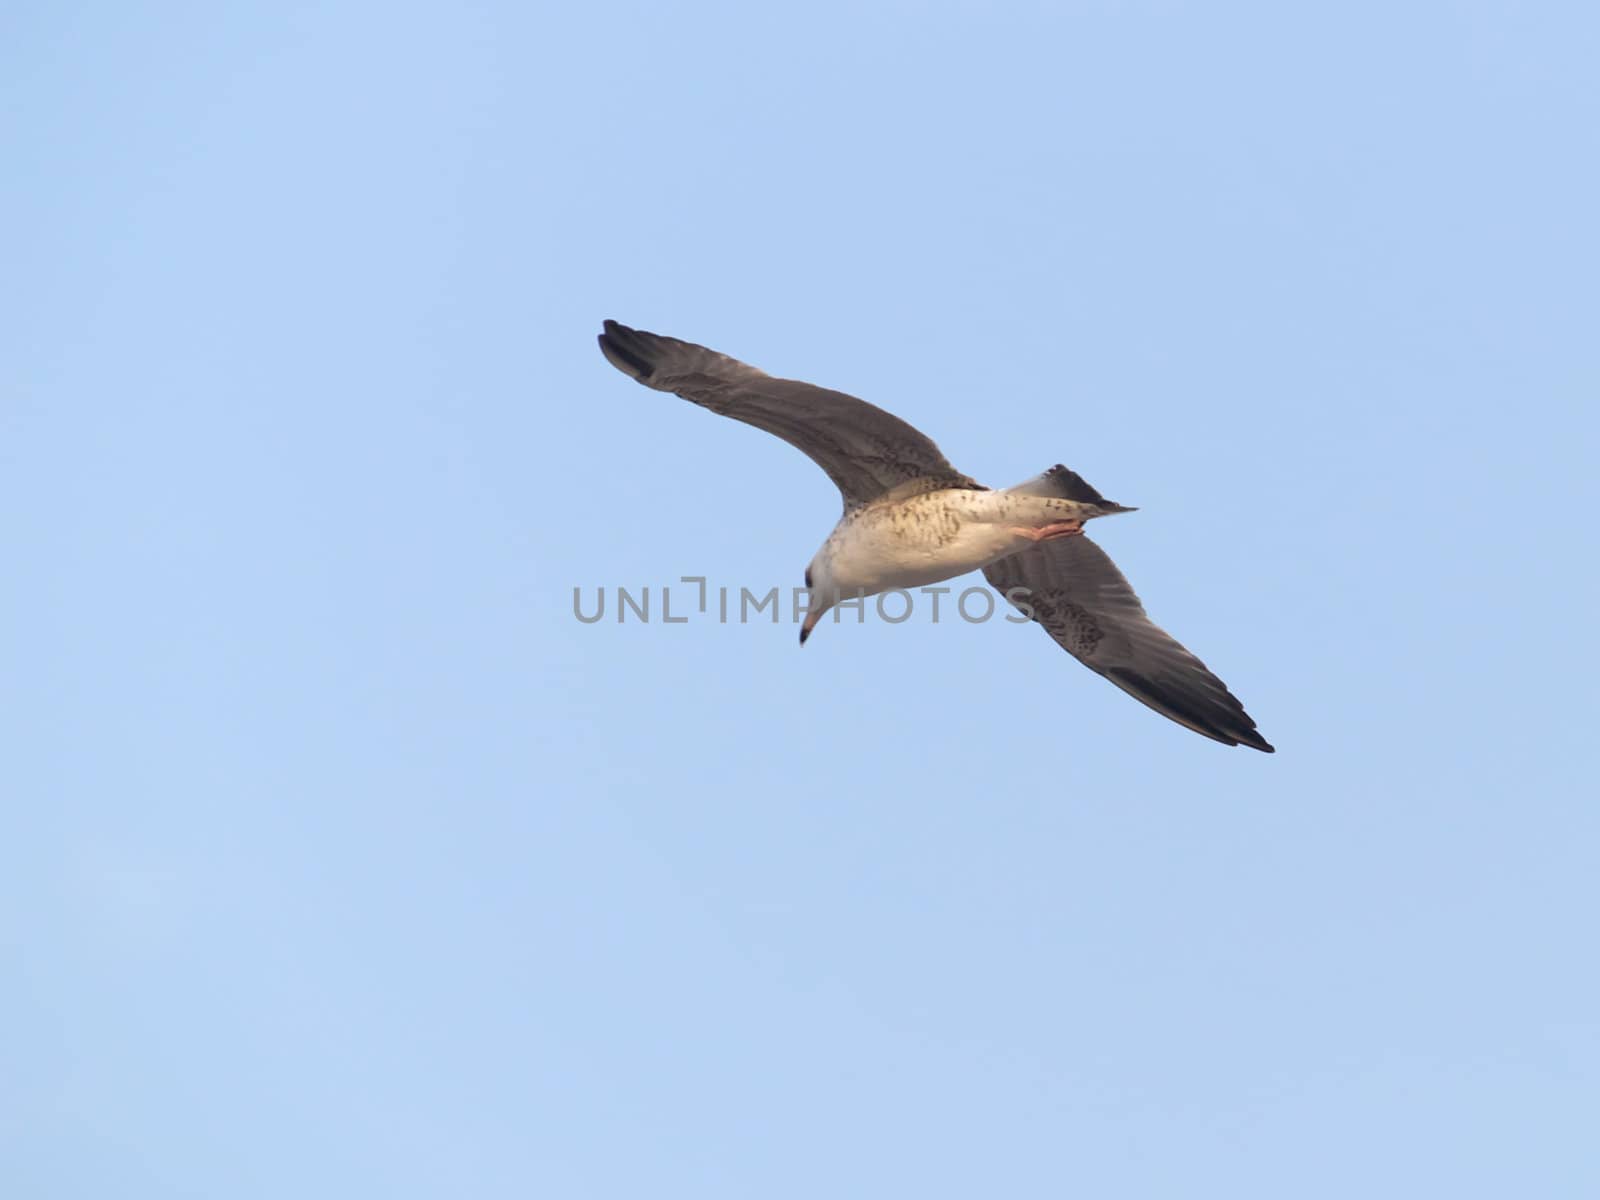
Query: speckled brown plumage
x,y
911,519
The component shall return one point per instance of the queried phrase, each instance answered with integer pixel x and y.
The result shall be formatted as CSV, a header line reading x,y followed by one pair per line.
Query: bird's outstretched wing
x,y
867,452
1076,592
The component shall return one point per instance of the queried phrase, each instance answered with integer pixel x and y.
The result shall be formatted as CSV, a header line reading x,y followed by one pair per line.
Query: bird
x,y
911,519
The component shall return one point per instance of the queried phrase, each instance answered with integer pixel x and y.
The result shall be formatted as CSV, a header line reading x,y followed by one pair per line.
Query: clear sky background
x,y
338,859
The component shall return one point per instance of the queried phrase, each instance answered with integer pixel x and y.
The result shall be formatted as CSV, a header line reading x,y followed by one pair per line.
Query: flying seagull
x,y
911,519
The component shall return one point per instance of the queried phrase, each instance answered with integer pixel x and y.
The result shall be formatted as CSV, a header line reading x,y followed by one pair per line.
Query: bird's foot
x,y
1046,533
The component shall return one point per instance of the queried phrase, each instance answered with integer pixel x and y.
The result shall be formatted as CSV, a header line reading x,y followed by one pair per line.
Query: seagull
x,y
911,519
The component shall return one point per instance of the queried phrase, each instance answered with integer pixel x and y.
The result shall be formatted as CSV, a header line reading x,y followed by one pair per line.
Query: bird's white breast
x,y
921,540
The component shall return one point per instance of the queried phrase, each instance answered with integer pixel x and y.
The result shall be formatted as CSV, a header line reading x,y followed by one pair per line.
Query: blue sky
x,y
338,858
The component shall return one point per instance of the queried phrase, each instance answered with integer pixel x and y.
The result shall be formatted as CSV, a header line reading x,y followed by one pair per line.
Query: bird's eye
x,y
808,576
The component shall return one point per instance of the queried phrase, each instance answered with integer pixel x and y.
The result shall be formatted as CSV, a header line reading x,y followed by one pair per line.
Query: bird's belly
x,y
880,558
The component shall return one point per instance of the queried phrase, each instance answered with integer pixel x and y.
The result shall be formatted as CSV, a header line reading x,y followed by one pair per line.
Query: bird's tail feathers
x,y
1065,484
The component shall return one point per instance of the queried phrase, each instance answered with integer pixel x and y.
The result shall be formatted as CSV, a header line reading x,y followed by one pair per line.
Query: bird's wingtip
x,y
625,350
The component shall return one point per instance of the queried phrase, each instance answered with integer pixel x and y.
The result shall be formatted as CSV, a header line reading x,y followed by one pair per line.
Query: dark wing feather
x,y
1085,604
865,451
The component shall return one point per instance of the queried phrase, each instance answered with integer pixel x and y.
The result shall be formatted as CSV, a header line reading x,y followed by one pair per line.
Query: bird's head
x,y
820,594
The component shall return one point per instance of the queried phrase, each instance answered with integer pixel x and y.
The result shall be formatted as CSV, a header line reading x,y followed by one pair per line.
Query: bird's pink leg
x,y
1045,533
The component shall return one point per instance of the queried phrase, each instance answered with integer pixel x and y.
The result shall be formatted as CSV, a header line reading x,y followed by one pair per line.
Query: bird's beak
x,y
809,624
